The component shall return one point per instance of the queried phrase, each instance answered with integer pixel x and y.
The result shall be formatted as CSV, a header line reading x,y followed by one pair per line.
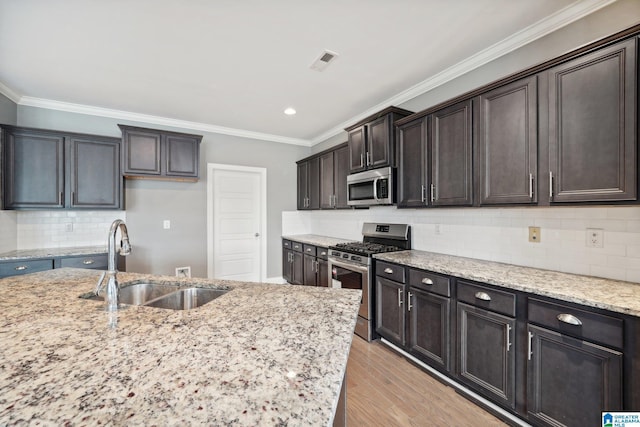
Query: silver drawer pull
x,y
308,249
427,281
323,253
388,270
483,296
569,318
21,267
88,261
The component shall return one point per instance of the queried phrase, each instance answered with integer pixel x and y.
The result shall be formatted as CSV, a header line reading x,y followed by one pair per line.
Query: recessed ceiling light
x,y
290,111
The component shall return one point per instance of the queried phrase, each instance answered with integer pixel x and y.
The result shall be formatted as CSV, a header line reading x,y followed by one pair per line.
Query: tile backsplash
x,y
59,229
501,234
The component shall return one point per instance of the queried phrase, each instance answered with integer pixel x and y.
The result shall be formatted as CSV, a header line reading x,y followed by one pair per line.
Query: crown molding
x,y
9,93
554,22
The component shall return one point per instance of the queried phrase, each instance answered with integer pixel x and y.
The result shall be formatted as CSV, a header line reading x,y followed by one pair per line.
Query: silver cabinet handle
x,y
323,253
400,297
427,281
570,319
550,185
361,160
308,249
483,296
21,267
88,261
530,348
508,337
388,270
368,159
409,302
433,193
531,186
422,198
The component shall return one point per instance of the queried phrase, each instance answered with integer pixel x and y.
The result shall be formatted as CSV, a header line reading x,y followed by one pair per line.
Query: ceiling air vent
x,y
323,60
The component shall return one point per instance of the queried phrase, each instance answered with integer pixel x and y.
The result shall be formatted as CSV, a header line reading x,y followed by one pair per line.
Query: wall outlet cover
x,y
534,234
183,271
595,238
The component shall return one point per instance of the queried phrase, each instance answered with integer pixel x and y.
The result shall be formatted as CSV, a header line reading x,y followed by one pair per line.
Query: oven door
x,y
351,276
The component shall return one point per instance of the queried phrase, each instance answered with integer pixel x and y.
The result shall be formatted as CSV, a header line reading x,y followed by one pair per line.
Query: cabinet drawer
x,y
489,298
296,246
322,252
286,244
579,323
93,261
15,268
309,250
390,271
430,282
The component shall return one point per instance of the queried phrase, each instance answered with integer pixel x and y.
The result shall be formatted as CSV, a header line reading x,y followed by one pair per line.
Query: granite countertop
x,y
613,295
316,240
20,254
261,354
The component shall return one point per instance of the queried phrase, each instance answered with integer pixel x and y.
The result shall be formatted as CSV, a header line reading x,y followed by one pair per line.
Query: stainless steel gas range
x,y
352,266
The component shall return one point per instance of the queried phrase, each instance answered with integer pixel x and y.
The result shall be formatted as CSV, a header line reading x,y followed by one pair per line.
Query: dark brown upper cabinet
x,y
451,156
435,159
507,144
412,163
56,170
592,126
334,168
152,153
309,184
372,141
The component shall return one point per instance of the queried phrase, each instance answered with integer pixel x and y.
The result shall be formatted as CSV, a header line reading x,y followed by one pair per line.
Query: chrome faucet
x,y
112,296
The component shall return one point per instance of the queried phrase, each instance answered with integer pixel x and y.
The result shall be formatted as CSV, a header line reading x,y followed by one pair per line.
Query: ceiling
x,y
233,66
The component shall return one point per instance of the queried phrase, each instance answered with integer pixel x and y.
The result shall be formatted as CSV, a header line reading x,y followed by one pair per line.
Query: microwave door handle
x,y
375,189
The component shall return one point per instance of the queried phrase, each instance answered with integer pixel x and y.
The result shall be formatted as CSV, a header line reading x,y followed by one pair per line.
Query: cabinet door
x,y
297,268
310,271
412,164
340,172
571,382
508,143
182,156
486,356
33,169
378,151
95,178
592,126
314,183
287,265
390,312
303,185
323,273
327,166
357,149
95,262
429,332
451,156
141,152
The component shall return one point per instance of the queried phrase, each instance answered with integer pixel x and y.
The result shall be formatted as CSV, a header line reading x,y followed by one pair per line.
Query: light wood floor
x,y
384,389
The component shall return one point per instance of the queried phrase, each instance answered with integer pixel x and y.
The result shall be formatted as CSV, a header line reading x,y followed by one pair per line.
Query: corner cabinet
x,y
55,170
372,141
151,153
592,126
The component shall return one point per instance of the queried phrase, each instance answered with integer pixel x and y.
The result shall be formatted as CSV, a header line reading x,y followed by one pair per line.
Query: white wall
x,y
501,234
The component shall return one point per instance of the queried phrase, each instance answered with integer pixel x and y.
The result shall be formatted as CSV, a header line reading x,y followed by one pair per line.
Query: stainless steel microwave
x,y
372,187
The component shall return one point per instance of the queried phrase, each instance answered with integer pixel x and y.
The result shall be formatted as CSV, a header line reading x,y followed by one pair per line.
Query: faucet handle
x,y
99,284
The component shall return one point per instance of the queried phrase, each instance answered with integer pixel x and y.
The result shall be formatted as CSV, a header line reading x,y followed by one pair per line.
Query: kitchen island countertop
x,y
261,354
316,240
607,294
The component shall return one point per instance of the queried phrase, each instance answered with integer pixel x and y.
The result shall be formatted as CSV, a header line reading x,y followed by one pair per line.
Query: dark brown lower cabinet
x,y
571,381
429,331
310,271
292,266
390,316
486,354
323,272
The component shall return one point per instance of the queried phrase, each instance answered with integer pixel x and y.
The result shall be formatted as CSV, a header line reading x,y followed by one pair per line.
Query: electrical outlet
x,y
595,238
534,234
438,229
166,224
68,226
183,271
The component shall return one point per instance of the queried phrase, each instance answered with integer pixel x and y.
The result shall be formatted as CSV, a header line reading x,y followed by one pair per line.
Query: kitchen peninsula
x,y
259,355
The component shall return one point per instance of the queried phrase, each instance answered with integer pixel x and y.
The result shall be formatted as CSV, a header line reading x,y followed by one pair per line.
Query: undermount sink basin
x,y
165,296
186,299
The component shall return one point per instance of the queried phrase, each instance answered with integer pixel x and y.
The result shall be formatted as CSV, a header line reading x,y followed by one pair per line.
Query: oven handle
x,y
348,265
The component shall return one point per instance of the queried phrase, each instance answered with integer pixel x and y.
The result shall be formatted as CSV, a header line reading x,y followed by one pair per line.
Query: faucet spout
x,y
112,296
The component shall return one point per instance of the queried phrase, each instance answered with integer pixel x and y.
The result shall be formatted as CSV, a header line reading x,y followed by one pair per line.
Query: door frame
x,y
262,173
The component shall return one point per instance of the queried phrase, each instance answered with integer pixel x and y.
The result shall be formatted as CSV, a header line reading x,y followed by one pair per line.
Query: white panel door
x,y
237,216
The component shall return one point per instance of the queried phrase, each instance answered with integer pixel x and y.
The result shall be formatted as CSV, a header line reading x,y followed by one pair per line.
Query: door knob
x,y
257,234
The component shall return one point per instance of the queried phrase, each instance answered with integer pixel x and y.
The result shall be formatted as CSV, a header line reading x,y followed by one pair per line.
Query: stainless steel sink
x,y
164,296
186,299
